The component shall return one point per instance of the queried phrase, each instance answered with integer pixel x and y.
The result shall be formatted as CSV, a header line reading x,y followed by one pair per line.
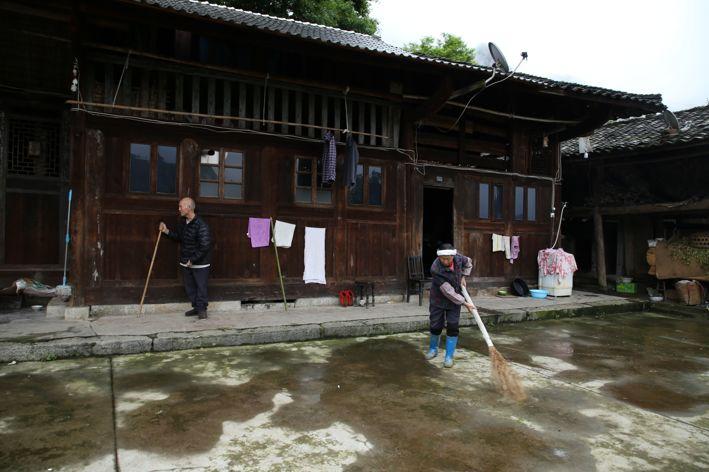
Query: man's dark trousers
x,y
196,286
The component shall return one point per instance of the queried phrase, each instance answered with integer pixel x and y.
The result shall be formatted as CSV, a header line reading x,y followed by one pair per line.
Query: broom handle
x,y
476,315
278,264
150,271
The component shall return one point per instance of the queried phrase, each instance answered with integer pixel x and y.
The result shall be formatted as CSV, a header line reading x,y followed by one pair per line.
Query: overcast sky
x,y
636,46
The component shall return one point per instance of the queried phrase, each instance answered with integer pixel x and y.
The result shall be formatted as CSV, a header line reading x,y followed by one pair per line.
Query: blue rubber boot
x,y
433,347
450,350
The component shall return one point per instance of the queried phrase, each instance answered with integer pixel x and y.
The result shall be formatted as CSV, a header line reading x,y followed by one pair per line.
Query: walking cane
x,y
150,271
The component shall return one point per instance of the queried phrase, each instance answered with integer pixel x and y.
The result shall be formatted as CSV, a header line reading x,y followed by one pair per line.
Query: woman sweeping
x,y
448,274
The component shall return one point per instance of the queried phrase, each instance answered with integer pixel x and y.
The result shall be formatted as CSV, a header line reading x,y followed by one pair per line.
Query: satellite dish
x,y
671,120
499,58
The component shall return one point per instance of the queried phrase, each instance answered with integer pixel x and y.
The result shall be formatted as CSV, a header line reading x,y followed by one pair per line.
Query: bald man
x,y
195,253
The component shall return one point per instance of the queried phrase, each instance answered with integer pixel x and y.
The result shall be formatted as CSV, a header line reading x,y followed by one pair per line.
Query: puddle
x,y
644,359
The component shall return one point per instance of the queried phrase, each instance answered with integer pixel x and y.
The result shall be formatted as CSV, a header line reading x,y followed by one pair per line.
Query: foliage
x,y
352,15
449,47
683,252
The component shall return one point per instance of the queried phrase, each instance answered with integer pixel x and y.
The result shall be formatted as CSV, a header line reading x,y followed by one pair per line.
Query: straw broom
x,y
503,377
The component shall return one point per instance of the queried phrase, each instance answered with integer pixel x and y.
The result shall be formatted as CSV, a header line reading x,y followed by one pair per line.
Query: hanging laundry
x,y
283,234
351,161
314,257
497,243
259,231
508,247
515,249
329,158
556,262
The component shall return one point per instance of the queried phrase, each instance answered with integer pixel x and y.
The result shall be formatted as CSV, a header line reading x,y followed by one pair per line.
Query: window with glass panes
x,y
369,190
491,205
525,199
221,174
152,169
308,182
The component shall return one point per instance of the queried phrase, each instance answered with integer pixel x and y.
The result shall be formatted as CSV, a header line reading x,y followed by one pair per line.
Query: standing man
x,y
448,274
195,254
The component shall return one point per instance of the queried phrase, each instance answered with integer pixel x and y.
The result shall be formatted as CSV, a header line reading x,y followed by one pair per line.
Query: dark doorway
x,y
437,223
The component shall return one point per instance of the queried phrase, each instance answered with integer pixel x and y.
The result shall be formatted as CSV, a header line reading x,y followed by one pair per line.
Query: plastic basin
x,y
536,293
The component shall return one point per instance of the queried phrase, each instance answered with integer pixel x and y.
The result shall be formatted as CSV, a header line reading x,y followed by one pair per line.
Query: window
x,y
519,203
308,183
221,174
497,208
484,201
369,190
531,203
167,169
139,168
491,201
153,169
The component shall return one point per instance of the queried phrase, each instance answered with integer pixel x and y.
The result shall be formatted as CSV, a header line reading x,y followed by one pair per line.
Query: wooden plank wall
x,y
120,228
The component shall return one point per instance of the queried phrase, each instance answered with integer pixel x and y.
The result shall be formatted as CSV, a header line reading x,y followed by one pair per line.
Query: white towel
x,y
508,247
314,272
497,243
283,234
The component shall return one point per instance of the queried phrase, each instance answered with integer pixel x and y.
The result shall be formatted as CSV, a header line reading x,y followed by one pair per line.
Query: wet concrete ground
x,y
627,392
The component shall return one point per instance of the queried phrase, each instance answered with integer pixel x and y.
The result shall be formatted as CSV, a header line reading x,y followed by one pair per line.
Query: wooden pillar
x,y
3,170
600,248
78,221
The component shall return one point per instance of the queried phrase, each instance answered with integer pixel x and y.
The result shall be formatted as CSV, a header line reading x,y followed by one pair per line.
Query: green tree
x,y
352,15
449,47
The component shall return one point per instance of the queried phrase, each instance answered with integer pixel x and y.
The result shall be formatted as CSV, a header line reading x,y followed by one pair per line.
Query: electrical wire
x,y
485,87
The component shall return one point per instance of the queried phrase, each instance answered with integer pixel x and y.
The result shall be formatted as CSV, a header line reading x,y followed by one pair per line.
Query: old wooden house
x,y
183,98
643,178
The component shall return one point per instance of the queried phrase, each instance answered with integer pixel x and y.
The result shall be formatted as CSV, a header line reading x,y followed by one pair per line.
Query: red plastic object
x,y
346,297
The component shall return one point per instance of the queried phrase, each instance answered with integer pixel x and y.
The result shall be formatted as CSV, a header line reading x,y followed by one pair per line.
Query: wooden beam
x,y
285,105
211,99
242,104
226,107
645,209
258,106
179,91
271,109
431,106
298,112
373,124
311,114
195,94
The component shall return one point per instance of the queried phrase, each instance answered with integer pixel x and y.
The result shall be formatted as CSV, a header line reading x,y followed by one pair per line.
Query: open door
x,y
437,223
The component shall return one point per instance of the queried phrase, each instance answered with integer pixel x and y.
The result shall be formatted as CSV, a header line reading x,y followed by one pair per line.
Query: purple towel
x,y
259,231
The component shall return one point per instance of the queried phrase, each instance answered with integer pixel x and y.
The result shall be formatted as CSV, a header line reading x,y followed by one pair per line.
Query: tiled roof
x,y
350,39
645,132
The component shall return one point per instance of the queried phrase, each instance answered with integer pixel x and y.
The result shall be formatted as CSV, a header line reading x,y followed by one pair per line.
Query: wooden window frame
x,y
490,200
221,177
365,187
525,205
153,173
313,185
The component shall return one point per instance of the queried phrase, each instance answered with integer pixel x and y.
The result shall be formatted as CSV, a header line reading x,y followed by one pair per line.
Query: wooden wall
x,y
119,228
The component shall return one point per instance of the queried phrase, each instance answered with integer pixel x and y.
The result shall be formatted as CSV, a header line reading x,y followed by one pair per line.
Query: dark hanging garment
x,y
329,158
351,161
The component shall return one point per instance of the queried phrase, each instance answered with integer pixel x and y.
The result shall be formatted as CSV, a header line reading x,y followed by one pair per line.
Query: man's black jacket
x,y
195,241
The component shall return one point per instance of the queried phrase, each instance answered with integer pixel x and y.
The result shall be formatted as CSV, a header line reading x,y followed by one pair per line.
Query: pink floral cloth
x,y
556,262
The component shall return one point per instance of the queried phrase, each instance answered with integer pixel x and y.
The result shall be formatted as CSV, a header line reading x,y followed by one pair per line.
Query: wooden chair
x,y
416,279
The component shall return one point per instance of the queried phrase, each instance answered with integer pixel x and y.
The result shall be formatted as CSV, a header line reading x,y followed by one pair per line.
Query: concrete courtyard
x,y
613,392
